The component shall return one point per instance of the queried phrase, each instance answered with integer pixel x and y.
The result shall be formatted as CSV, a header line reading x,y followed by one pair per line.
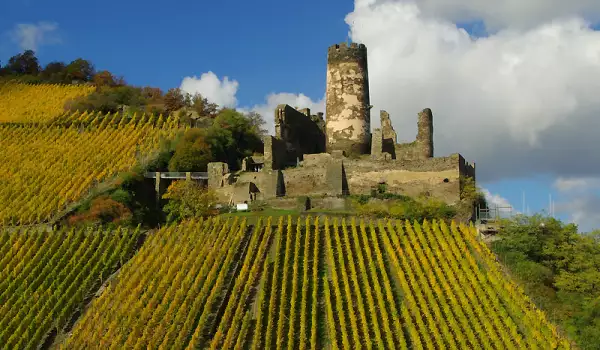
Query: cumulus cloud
x,y
570,185
518,102
506,13
267,109
30,36
221,92
495,200
581,198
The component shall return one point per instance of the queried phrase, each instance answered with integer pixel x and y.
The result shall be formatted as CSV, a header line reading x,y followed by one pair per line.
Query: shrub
x,y
189,199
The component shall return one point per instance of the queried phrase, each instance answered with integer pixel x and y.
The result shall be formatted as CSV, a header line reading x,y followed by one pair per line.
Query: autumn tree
x,y
203,107
188,199
104,78
80,69
174,100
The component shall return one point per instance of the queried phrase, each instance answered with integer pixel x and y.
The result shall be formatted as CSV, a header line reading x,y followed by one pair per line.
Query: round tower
x,y
425,133
348,120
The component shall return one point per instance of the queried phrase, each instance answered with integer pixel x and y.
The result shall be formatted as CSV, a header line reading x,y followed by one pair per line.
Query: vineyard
x,y
45,278
22,103
47,167
313,283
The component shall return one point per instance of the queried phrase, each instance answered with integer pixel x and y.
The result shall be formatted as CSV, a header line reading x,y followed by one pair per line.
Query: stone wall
x,y
436,177
388,134
302,133
274,153
348,121
216,174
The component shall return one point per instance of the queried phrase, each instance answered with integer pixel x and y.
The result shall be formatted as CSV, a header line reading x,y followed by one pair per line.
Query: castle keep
x,y
339,155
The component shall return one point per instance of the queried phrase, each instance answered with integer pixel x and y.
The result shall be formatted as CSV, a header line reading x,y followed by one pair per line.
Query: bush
x,y
103,210
188,199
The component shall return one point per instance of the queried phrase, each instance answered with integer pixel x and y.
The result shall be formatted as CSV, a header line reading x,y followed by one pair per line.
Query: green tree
x,y
232,137
203,107
192,153
55,72
80,69
24,63
188,199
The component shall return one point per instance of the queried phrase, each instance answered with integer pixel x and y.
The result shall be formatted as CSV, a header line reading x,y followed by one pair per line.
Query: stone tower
x,y
425,133
348,120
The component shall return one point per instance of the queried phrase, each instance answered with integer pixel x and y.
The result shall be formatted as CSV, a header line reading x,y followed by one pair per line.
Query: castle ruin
x,y
340,155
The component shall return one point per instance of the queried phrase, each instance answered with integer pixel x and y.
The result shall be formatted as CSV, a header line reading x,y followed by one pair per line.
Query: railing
x,y
178,175
494,214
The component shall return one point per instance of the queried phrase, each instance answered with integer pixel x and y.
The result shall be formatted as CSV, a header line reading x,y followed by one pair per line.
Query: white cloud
x,y
582,210
501,14
221,92
272,100
519,102
580,201
30,36
495,200
572,184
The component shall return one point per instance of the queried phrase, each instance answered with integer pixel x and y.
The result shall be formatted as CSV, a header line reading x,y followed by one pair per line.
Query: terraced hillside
x,y
45,278
46,167
22,103
314,283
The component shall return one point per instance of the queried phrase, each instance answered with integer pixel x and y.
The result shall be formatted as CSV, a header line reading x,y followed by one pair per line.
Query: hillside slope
x,y
21,103
46,167
318,283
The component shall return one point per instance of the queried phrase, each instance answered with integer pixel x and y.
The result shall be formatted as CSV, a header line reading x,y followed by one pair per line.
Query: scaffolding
x,y
493,214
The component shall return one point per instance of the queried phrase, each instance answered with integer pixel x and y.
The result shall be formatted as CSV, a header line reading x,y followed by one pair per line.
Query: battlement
x,y
347,53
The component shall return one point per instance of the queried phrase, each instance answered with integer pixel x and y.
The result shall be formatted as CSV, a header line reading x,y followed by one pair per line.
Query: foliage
x,y
313,282
232,137
49,167
559,267
103,209
36,103
80,70
174,99
401,207
47,278
188,199
25,63
192,152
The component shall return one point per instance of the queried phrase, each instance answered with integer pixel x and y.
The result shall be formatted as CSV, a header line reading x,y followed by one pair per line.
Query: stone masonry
x,y
309,156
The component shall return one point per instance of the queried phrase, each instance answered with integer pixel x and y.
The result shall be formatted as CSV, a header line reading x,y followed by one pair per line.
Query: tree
x,y
203,107
24,63
174,100
258,123
81,70
188,199
232,137
104,78
55,72
192,153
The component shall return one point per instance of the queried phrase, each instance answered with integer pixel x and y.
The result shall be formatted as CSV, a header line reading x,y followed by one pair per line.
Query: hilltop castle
x,y
311,156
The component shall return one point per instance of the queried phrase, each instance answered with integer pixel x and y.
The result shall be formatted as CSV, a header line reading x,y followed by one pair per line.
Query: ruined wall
x,y
437,177
274,153
348,121
388,134
216,174
422,147
425,133
321,174
302,133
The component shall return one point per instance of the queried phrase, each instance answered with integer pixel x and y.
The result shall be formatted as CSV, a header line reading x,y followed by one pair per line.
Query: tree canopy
x,y
560,269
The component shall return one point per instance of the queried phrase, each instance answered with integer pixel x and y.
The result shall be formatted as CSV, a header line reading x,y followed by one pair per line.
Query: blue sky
x,y
279,48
